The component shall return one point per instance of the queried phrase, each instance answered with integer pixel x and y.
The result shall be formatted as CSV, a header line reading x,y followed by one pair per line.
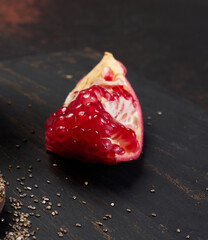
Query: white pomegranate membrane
x,y
101,120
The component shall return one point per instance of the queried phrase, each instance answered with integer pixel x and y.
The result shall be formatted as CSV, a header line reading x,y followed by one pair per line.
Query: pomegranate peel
x,y
101,117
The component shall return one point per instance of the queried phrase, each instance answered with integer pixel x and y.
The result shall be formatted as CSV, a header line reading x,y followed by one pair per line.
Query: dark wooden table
x,y
164,48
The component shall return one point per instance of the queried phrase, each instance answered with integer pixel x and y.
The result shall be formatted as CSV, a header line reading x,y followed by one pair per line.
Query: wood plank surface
x,y
174,160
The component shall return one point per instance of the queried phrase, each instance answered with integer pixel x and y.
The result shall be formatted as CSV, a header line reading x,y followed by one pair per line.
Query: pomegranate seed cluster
x,y
85,128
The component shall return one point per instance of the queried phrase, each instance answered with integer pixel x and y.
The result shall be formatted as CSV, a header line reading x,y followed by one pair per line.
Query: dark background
x,y
165,41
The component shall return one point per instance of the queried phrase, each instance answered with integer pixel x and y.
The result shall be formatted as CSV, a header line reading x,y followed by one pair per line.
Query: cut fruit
x,y
101,119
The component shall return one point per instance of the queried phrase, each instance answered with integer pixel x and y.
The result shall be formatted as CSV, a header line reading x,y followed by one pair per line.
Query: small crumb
x,y
154,215
74,197
149,117
105,229
78,225
48,207
36,185
60,234
86,183
206,189
152,190
58,194
187,236
112,204
48,181
18,166
149,124
68,76
178,230
17,146
128,210
83,202
58,204
54,165
99,223
159,113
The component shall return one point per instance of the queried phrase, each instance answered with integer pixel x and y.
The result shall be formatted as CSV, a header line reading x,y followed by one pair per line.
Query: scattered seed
x,y
128,210
58,204
86,183
159,113
18,166
36,186
38,159
99,224
78,225
68,76
108,216
105,218
17,146
178,230
58,194
60,234
30,175
48,207
56,212
53,213
83,202
112,204
74,197
37,215
206,189
152,190
149,124
154,215
31,196
36,200
187,236
48,181
149,117
105,229
30,167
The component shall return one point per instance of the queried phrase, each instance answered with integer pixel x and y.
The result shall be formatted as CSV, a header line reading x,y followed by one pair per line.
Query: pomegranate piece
x,y
100,120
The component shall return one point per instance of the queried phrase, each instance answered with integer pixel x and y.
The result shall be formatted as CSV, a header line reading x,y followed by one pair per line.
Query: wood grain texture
x,y
174,159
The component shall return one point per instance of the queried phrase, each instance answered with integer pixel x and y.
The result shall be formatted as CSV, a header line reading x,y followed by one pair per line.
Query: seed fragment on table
x,y
58,194
149,124
128,210
58,204
78,225
17,146
112,204
86,183
154,214
83,202
152,190
105,229
99,223
178,230
206,189
48,181
74,197
187,236
60,234
48,207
